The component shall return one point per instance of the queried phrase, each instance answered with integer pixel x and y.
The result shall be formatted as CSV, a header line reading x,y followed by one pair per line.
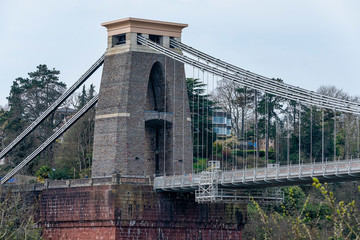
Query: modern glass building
x,y
221,123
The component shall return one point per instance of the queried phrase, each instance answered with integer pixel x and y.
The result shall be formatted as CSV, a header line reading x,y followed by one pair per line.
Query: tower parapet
x,y
122,34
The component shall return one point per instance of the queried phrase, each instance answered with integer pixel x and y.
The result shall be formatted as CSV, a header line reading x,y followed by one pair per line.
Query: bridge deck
x,y
338,171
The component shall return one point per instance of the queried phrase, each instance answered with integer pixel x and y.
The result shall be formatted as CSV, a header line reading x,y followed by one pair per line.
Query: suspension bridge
x,y
166,118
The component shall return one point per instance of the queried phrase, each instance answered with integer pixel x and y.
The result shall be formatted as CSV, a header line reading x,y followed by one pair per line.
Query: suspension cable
x,y
301,96
202,124
53,106
256,129
184,89
266,129
193,114
321,101
288,137
311,133
245,124
358,136
212,129
322,137
51,139
254,135
316,98
198,124
335,135
277,140
174,118
207,118
165,110
299,133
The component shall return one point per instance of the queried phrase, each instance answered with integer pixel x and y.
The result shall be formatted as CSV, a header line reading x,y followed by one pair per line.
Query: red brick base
x,y
135,212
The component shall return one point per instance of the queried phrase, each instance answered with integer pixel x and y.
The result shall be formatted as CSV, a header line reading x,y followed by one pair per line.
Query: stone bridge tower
x,y
142,128
143,125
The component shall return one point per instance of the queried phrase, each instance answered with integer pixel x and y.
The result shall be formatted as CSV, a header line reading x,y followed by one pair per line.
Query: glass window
x,y
220,130
228,122
219,120
228,131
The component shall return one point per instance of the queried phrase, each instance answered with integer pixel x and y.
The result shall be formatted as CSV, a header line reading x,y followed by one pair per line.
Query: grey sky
x,y
307,43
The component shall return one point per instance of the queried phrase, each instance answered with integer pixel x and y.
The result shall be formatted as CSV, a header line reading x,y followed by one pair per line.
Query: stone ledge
x,y
86,182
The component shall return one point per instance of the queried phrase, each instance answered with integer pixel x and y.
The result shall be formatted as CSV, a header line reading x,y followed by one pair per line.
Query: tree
x,y
201,109
74,154
226,96
244,101
318,214
43,173
28,99
269,107
235,100
17,216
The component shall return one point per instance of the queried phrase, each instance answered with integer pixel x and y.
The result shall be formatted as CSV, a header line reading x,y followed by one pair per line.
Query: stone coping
x,y
146,26
85,182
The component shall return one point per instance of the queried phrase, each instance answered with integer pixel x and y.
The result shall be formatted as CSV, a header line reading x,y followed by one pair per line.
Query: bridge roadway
x,y
337,171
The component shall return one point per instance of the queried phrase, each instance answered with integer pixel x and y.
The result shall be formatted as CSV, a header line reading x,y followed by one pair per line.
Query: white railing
x,y
274,176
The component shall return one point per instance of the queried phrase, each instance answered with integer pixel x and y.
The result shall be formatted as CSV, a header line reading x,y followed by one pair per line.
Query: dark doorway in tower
x,y
155,96
158,124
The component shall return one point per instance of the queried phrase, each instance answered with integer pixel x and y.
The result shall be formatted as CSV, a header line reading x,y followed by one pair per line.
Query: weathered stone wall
x,y
119,139
132,211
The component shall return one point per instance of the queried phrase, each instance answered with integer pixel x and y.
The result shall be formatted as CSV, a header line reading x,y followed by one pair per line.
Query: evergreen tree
x,y
201,109
269,108
74,155
28,99
82,98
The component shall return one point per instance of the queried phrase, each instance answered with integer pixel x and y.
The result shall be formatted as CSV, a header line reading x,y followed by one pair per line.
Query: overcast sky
x,y
307,43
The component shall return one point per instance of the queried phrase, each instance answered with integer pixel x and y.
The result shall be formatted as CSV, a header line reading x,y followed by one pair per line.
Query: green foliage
x,y
315,211
199,164
43,172
201,109
269,107
59,174
217,148
316,215
294,197
279,119
74,154
85,173
28,99
16,217
240,153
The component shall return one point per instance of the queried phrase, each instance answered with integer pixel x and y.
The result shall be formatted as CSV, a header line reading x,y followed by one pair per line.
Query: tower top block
x,y
145,26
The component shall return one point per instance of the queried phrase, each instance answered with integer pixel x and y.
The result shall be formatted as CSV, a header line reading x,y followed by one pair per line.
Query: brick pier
x,y
134,211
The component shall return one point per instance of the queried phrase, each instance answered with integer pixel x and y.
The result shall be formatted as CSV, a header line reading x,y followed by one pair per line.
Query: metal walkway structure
x,y
266,177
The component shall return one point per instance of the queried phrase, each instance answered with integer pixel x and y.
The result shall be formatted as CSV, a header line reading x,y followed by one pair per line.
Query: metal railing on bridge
x,y
267,177
208,188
